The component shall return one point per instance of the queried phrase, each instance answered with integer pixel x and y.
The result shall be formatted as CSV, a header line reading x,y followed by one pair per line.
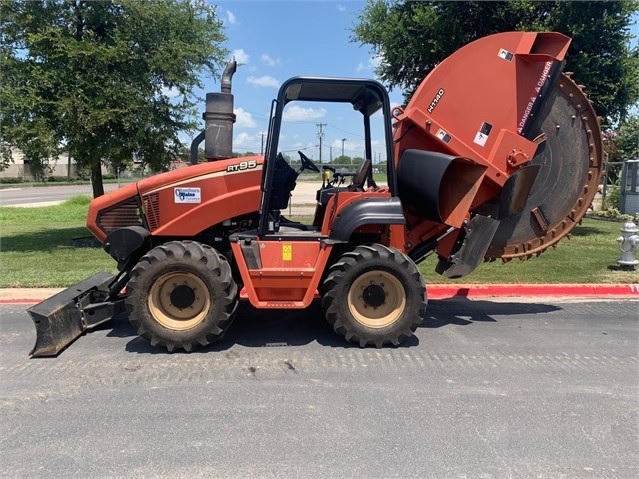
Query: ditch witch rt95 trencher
x,y
496,156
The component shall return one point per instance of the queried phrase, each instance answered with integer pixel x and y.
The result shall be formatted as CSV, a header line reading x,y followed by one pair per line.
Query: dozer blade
x,y
63,317
570,164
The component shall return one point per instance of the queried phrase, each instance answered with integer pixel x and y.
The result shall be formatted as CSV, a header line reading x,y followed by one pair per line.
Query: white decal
x,y
544,75
442,135
480,138
540,83
505,54
482,134
435,101
527,111
187,195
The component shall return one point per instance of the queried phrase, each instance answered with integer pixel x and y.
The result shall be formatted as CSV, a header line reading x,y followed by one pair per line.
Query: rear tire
x,y
181,295
374,295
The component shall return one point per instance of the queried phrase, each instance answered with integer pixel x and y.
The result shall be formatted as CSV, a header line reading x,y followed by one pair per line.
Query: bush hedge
x,y
11,180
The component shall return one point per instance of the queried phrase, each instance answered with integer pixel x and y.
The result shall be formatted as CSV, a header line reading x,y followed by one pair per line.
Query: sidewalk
x,y
434,291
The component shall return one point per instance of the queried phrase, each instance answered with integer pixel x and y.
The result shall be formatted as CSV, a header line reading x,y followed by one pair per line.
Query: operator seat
x,y
360,176
284,177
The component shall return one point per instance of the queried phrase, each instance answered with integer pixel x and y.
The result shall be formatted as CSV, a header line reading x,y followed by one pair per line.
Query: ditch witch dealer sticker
x,y
187,195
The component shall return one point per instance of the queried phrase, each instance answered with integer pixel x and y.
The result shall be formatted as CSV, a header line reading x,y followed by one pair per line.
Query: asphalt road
x,y
486,389
304,194
46,195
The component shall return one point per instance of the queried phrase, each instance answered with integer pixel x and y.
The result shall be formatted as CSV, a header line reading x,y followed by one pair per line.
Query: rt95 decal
x,y
241,166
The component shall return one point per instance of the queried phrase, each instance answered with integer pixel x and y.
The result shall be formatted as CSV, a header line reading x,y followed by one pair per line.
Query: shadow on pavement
x,y
276,328
461,311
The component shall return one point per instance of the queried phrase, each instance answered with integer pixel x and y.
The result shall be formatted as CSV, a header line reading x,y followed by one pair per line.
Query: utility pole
x,y
320,135
351,160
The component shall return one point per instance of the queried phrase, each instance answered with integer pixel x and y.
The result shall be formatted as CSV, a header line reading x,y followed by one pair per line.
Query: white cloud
x,y
241,57
230,18
264,81
374,61
341,8
370,65
298,113
170,92
243,140
243,118
268,60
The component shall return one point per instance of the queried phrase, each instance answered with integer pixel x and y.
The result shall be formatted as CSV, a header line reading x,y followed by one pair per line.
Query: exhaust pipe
x,y
219,118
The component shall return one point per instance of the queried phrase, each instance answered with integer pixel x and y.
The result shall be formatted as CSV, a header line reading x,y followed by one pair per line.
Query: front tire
x,y
181,295
374,295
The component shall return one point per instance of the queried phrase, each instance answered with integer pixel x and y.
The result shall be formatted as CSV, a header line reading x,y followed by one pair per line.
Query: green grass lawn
x,y
36,246
589,256
36,251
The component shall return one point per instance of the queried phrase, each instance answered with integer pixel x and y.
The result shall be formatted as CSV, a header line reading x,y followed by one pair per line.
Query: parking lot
x,y
486,388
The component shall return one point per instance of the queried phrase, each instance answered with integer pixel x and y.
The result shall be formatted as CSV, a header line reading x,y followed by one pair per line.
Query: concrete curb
x,y
441,291
435,291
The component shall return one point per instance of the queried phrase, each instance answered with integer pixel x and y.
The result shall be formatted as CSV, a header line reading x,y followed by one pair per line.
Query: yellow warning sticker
x,y
287,252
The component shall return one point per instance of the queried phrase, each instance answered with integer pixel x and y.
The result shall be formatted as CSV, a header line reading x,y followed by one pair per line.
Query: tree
x,y
342,160
106,81
410,38
621,144
628,138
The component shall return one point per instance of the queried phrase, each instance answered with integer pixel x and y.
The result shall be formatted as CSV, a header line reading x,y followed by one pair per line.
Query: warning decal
x,y
505,54
442,135
287,252
482,135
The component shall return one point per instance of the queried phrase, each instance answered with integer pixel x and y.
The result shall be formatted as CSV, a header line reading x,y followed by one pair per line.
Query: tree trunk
x,y
96,179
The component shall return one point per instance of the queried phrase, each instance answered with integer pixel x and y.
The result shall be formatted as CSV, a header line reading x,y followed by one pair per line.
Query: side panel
x,y
182,202
477,102
289,276
185,206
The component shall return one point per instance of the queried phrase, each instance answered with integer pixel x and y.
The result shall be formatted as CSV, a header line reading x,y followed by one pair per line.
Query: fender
x,y
381,211
123,244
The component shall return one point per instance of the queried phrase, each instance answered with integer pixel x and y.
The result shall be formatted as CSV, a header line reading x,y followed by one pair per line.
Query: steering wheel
x,y
307,164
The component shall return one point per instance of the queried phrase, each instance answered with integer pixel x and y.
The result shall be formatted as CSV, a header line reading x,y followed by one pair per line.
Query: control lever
x,y
326,175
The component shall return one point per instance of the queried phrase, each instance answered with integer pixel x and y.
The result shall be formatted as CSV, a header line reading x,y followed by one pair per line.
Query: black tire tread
x,y
336,291
201,257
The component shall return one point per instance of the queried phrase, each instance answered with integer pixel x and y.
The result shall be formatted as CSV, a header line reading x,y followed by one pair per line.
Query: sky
x,y
274,40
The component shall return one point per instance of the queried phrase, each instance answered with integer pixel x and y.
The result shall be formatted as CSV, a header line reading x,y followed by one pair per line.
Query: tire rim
x,y
179,301
376,299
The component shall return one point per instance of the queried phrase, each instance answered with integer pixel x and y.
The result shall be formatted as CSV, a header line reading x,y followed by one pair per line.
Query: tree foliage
x,y
107,81
622,144
410,38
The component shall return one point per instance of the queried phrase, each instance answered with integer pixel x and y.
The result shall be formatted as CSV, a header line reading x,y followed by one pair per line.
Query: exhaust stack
x,y
219,118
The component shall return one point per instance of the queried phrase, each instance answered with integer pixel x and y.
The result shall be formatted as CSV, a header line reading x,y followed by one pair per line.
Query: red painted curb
x,y
20,301
443,291
440,291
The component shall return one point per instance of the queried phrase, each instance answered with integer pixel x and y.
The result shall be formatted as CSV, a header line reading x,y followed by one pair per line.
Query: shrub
x,y
11,180
615,214
613,196
57,179
80,200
